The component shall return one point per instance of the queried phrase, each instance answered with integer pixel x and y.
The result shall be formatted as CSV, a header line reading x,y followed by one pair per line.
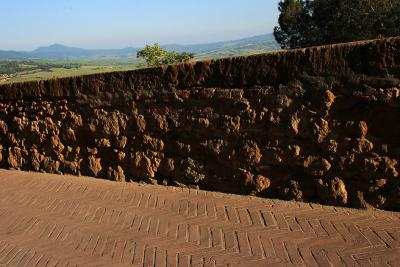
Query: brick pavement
x,y
51,220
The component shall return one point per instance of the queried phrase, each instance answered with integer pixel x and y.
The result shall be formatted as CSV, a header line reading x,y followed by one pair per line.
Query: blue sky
x,y
28,24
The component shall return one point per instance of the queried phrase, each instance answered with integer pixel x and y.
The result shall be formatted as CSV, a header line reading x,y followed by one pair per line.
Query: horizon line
x,y
182,44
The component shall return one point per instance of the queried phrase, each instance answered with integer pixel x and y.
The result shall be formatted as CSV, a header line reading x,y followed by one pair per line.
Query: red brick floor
x,y
51,220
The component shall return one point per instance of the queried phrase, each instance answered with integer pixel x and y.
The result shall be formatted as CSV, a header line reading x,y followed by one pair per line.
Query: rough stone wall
x,y
318,124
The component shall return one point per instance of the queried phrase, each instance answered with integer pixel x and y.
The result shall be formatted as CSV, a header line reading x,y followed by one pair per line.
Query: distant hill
x,y
13,55
254,44
58,51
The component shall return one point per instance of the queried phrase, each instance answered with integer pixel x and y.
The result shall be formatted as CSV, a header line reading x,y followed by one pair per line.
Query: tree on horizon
x,y
156,56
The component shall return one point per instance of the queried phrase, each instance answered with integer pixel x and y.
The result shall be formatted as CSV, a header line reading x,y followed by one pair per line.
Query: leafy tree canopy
x,y
156,55
305,23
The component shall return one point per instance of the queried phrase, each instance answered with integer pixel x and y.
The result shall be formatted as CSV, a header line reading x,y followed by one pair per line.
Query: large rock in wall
x,y
318,124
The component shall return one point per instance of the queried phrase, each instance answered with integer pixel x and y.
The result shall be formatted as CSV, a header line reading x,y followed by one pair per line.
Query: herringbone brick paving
x,y
51,220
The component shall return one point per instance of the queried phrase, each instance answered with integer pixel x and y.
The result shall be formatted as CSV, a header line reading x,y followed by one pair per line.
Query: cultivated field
x,y
21,71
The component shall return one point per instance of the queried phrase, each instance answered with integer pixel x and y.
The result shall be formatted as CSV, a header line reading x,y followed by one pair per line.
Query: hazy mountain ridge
x,y
58,51
259,42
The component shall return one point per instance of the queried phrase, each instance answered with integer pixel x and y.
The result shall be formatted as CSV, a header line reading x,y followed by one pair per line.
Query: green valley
x,y
62,61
